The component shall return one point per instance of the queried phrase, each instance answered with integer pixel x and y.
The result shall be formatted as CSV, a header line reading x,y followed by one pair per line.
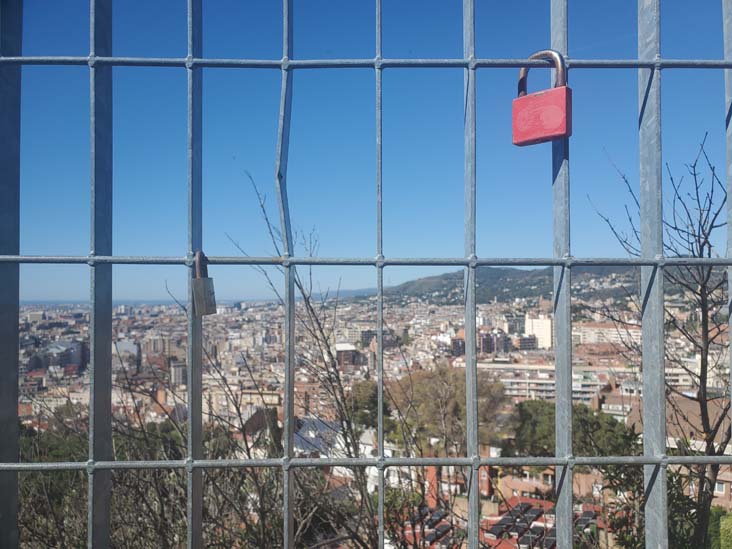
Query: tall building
x,y
457,346
525,343
346,355
495,341
513,323
541,327
177,373
584,333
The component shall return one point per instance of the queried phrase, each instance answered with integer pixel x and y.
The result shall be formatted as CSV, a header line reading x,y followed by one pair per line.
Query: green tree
x,y
53,504
714,540
432,405
599,434
594,433
725,532
365,404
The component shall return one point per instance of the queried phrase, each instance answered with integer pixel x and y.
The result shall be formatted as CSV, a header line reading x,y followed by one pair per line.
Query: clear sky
x,y
332,155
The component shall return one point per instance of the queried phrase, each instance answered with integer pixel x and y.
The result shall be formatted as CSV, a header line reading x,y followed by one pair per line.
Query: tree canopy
x,y
432,403
593,433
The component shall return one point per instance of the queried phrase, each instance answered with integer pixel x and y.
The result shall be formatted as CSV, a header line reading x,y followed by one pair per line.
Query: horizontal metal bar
x,y
92,260
43,60
375,261
288,64
527,461
45,466
649,64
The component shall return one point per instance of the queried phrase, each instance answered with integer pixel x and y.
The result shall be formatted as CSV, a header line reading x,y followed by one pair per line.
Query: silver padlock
x,y
204,298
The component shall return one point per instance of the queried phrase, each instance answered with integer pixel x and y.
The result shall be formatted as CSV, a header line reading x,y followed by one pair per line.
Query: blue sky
x,y
332,158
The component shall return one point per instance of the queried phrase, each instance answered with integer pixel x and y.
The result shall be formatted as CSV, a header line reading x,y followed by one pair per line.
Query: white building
x,y
589,333
541,327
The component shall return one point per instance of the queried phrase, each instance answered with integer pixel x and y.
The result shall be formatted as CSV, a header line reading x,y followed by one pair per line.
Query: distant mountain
x,y
507,283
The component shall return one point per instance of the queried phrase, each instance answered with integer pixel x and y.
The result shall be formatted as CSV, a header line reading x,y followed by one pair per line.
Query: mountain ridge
x,y
508,283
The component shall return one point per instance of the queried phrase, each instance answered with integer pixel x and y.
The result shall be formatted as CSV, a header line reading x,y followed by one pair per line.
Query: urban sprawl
x,y
244,354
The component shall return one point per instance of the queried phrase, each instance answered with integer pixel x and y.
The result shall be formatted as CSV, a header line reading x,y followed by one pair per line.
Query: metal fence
x,y
100,61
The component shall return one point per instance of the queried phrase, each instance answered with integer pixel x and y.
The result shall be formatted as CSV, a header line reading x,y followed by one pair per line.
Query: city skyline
x,y
332,162
424,346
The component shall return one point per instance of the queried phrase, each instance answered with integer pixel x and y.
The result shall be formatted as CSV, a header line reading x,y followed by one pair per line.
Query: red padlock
x,y
545,115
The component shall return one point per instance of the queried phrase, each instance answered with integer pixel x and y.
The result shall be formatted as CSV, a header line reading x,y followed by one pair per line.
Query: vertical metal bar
x,y
379,278
283,146
654,398
727,30
194,485
100,408
562,304
471,370
11,30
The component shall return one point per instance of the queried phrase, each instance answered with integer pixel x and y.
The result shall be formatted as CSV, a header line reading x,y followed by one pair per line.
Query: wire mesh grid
x,y
100,260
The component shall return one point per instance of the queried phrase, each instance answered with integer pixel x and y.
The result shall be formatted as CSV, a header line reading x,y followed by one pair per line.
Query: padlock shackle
x,y
559,64
200,262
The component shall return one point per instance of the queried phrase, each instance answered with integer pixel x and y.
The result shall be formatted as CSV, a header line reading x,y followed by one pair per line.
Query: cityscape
x,y
335,391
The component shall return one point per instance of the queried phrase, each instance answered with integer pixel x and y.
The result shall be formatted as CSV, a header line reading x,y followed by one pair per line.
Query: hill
x,y
508,283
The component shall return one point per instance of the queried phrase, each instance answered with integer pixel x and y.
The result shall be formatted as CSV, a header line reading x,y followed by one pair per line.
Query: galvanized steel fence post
x,y
651,217
379,282
100,333
194,477
727,31
471,367
562,306
282,155
11,24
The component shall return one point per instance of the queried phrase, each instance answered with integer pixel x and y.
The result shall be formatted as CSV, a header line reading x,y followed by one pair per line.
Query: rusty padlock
x,y
204,298
544,115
